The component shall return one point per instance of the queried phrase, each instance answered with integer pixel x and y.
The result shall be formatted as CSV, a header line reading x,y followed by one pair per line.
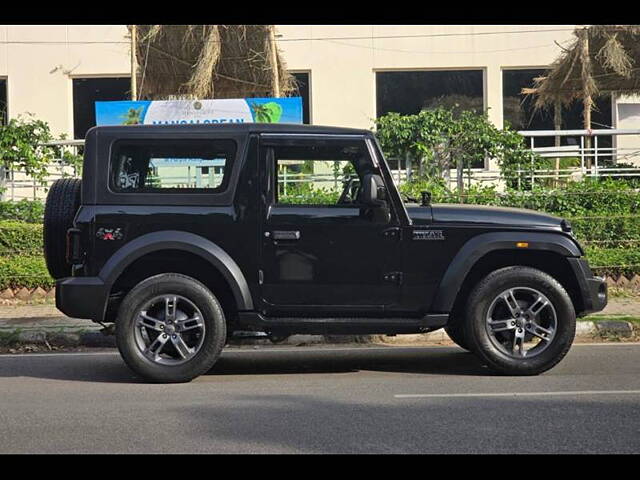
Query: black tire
x,y
63,201
214,336
490,288
456,331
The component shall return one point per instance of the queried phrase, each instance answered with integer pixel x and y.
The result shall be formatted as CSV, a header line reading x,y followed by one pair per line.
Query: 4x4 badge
x,y
428,235
109,233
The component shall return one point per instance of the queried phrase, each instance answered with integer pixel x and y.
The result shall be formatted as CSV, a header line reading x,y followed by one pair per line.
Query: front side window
x,y
168,166
328,174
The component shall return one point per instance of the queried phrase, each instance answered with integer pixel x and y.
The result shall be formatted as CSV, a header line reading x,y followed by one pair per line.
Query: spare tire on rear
x,y
62,204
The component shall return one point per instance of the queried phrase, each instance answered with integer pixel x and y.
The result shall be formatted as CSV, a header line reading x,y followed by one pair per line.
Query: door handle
x,y
285,235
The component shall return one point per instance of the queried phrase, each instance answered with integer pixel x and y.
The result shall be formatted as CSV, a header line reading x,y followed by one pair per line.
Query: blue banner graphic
x,y
175,112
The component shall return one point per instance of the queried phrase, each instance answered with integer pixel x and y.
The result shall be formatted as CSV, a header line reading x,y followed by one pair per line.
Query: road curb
x,y
92,338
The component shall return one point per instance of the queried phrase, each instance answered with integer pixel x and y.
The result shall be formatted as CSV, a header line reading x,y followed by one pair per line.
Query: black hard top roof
x,y
228,127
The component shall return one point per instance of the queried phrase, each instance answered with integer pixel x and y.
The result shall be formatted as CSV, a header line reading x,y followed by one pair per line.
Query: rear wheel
x,y
170,328
520,321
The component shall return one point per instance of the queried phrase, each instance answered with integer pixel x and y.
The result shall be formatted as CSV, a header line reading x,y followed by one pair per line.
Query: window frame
x,y
100,141
483,78
310,94
5,81
171,191
271,141
73,79
481,69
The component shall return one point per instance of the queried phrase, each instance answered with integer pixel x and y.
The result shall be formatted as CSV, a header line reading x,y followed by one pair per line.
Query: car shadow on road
x,y
110,368
436,361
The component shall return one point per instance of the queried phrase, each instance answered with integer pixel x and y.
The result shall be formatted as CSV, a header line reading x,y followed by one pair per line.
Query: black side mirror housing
x,y
374,193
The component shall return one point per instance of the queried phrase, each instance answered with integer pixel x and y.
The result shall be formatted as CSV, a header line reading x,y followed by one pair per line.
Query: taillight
x,y
74,250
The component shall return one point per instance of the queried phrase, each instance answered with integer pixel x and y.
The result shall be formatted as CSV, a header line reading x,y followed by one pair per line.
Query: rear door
x,y
320,247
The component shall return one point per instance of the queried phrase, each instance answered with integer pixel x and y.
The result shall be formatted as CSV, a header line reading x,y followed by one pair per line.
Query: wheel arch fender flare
x,y
479,246
189,242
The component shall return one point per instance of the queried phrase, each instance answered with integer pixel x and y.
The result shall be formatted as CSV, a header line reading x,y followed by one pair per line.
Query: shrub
x,y
614,261
24,271
446,138
20,238
31,211
605,215
21,146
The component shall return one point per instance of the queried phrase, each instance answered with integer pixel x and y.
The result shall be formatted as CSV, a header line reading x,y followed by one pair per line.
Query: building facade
x,y
348,74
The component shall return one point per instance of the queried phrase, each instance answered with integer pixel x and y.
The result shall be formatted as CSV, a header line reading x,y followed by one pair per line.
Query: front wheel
x,y
520,321
170,328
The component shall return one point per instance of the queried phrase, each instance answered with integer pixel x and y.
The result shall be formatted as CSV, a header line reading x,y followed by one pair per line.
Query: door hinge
x,y
393,232
393,277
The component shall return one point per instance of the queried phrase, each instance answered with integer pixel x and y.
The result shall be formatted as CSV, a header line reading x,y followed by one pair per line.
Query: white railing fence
x,y
574,154
16,184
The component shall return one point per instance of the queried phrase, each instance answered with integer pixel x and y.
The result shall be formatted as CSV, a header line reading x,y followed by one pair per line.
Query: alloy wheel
x,y
521,322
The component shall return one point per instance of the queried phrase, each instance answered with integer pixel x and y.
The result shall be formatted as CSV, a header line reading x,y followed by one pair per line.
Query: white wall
x,y
40,61
343,69
342,61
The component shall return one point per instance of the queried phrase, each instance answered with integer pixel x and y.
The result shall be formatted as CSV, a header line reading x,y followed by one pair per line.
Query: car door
x,y
320,246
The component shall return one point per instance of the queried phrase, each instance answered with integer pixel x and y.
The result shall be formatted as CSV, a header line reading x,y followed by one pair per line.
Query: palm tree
x,y
603,59
132,117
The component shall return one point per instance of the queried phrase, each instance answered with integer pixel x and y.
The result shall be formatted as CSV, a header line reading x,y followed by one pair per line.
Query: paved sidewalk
x,y
622,306
38,316
37,323
27,315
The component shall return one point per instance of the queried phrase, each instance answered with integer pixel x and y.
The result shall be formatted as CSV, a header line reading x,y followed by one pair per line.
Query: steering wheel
x,y
346,190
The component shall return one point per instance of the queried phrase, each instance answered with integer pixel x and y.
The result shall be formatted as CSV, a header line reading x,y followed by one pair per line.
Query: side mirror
x,y
374,193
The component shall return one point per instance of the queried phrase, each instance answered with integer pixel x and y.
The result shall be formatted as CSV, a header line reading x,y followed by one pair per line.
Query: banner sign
x,y
175,112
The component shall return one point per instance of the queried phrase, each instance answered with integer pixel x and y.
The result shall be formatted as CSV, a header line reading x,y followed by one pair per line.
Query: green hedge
x,y
31,211
614,261
20,238
605,215
24,271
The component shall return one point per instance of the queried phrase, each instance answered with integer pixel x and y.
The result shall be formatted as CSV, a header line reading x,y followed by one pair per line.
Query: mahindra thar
x,y
181,237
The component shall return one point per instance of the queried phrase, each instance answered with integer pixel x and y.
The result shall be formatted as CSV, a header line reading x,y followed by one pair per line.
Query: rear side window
x,y
171,166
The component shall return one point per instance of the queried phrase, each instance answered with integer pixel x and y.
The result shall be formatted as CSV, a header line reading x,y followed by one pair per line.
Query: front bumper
x,y
82,297
593,289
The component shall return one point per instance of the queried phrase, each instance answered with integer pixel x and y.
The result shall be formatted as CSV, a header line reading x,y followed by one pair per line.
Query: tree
x,y
209,61
601,60
443,140
22,147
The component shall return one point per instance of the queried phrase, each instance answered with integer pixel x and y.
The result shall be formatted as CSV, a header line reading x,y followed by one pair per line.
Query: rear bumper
x,y
82,297
592,289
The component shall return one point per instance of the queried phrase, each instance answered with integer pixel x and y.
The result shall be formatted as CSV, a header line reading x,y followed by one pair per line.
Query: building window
x,y
409,92
520,113
519,110
3,101
87,91
302,90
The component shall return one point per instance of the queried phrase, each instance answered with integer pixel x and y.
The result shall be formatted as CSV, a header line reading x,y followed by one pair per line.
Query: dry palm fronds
x,y
602,59
208,61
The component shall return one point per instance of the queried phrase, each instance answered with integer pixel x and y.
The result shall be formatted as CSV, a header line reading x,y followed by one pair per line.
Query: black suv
x,y
186,235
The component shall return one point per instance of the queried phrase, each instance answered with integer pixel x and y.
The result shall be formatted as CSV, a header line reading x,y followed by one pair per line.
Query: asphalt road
x,y
334,400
